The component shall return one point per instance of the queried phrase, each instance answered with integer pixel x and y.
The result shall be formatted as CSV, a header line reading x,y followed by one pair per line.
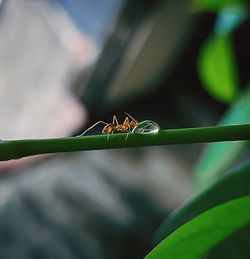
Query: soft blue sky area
x,y
93,17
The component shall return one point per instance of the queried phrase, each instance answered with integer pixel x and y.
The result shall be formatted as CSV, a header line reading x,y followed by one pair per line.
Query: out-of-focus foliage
x,y
231,186
218,157
229,19
201,228
195,238
217,70
218,73
216,63
216,5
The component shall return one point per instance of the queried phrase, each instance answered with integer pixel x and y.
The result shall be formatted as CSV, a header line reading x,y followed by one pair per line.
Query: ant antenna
x,y
130,116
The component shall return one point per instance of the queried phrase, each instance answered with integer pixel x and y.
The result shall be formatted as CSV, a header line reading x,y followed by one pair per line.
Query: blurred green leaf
x,y
195,238
231,186
216,5
234,247
216,68
218,157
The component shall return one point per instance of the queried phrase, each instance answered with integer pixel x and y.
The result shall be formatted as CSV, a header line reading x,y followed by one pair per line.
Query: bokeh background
x,y
65,65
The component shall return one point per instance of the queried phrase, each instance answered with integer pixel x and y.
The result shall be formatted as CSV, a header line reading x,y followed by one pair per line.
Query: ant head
x,y
134,123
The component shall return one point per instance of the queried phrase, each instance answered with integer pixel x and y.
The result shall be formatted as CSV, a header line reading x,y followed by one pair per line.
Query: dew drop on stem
x,y
147,127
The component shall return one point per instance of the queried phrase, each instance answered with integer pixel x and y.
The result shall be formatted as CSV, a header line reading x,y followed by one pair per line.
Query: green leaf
x,y
215,5
216,68
233,185
218,157
234,247
195,238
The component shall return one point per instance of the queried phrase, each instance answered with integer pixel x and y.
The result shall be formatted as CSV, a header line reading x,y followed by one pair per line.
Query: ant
x,y
127,126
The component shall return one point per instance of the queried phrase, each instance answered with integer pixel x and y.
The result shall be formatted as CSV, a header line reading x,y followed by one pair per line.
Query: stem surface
x,y
16,149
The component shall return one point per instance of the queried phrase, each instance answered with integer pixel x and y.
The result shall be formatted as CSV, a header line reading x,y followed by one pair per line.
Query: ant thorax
x,y
121,128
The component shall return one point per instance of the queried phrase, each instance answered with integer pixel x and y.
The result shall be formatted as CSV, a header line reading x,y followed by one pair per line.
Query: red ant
x,y
127,126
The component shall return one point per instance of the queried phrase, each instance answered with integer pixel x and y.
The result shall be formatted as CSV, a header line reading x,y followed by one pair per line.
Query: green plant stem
x,y
15,149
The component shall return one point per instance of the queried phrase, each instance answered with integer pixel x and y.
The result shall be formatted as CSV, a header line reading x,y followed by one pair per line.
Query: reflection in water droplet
x,y
147,127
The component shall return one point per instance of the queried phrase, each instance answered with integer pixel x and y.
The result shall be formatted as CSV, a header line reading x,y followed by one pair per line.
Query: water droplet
x,y
146,127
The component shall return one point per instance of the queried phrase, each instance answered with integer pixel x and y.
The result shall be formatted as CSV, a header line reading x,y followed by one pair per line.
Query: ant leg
x,y
129,130
126,120
126,136
109,135
115,121
91,127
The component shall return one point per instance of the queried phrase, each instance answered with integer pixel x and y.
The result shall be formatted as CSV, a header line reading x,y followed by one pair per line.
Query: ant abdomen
x,y
108,129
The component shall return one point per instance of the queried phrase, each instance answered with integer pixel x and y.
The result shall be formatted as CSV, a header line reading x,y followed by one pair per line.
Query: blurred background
x,y
65,65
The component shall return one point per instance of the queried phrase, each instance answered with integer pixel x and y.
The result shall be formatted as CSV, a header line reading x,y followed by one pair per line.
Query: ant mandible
x,y
126,127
